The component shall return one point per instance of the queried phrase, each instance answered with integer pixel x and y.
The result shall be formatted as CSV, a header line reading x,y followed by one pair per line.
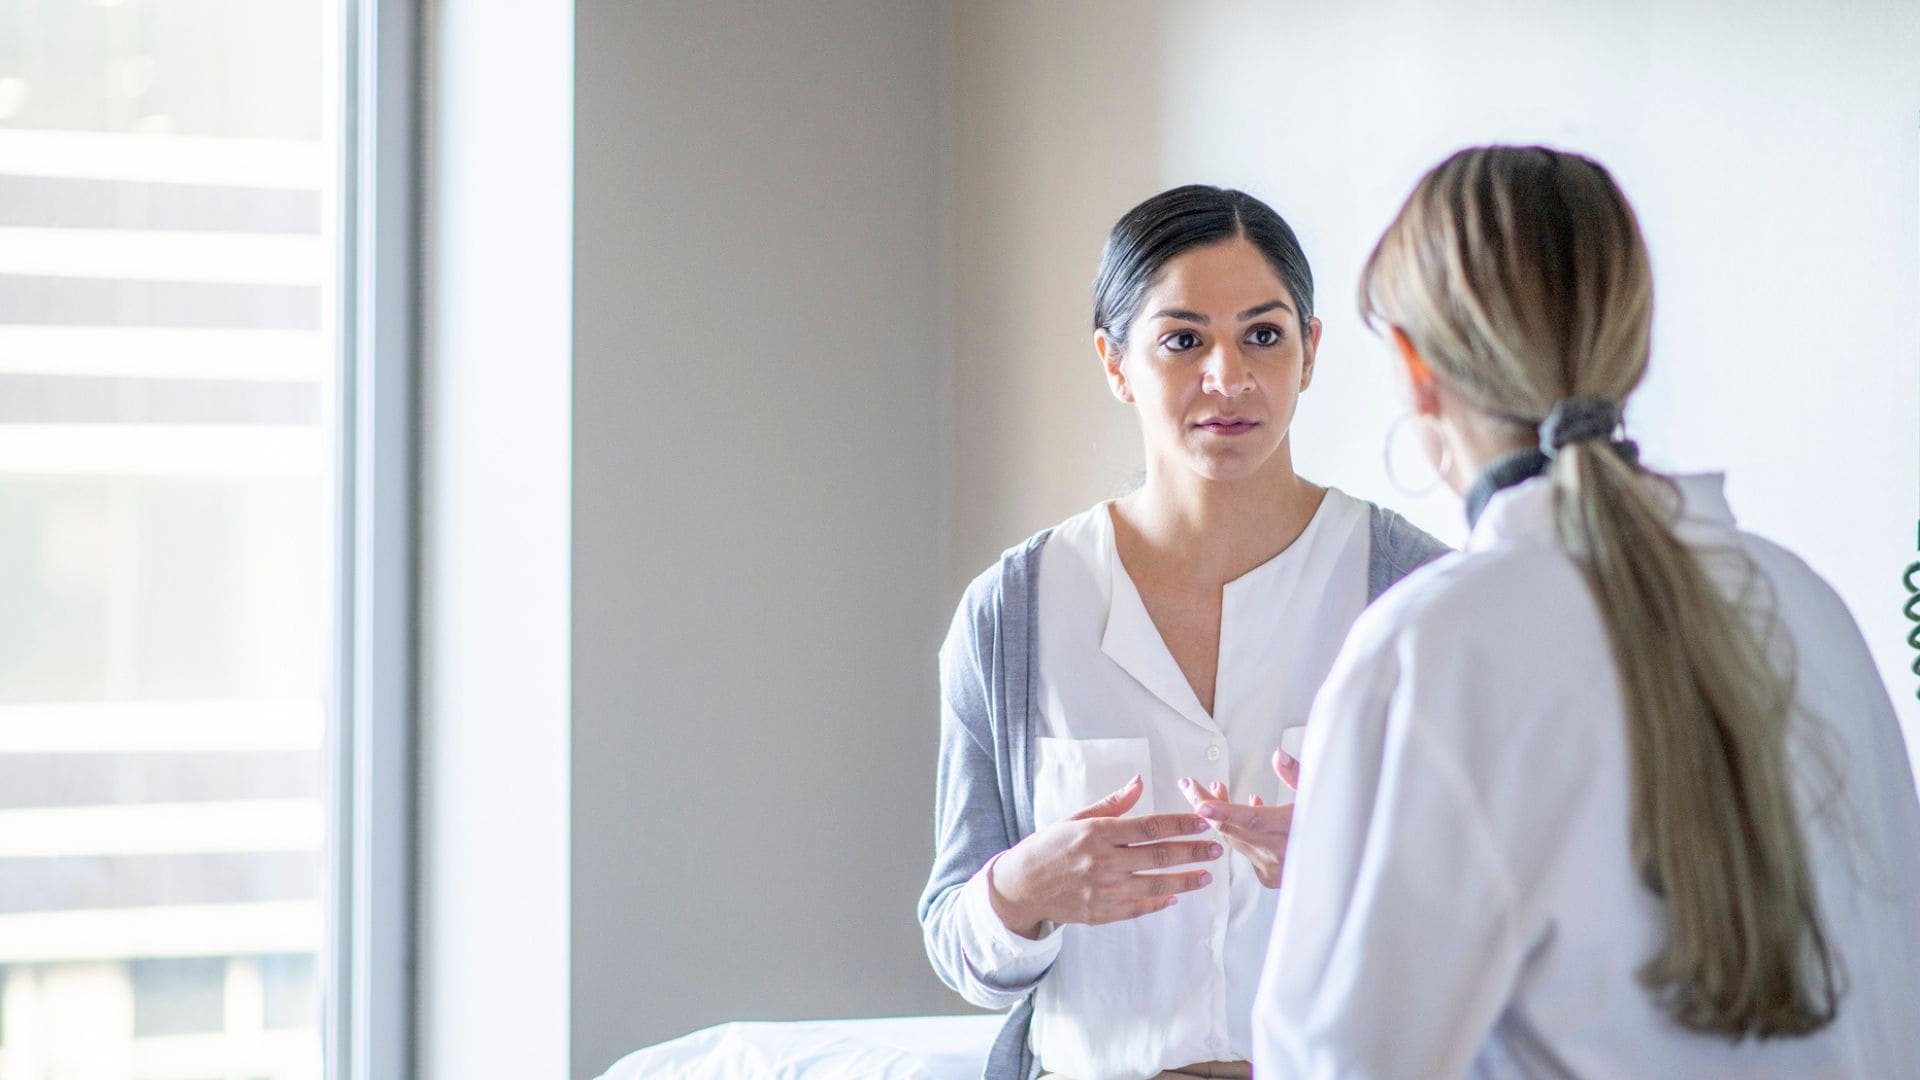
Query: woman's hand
x,y
1088,868
1255,830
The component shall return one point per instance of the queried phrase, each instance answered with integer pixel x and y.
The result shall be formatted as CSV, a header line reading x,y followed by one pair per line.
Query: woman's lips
x,y
1228,427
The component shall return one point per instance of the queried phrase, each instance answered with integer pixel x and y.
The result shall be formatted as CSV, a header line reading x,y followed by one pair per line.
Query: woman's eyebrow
x,y
1195,317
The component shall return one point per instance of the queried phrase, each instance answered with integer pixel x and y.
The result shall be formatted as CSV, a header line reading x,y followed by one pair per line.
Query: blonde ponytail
x,y
1520,275
1715,830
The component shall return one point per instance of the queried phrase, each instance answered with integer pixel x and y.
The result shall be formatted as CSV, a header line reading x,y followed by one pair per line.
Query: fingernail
x,y
1286,759
1205,878
1172,900
1186,782
1211,812
1135,780
1213,851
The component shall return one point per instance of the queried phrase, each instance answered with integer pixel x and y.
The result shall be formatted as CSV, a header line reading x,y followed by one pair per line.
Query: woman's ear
x,y
1422,387
1111,353
1310,343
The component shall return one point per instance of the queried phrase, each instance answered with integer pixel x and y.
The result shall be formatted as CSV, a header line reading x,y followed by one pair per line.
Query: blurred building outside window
x,y
168,207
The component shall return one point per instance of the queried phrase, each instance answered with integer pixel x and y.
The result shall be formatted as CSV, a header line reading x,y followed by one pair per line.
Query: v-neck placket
x,y
1134,642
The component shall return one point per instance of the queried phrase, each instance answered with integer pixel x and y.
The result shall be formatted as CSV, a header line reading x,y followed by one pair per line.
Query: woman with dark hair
x,y
1141,661
1616,791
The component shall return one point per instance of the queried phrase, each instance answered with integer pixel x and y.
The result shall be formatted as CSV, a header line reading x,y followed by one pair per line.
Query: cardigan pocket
x,y
1070,775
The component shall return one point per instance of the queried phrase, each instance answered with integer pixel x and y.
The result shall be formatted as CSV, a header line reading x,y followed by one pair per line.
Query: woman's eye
x,y
1183,340
1265,335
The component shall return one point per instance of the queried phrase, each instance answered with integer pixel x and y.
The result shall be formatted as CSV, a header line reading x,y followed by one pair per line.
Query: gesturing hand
x,y
1255,830
1088,868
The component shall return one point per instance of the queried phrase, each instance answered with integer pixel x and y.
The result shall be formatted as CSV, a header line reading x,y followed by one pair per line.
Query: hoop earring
x,y
1393,472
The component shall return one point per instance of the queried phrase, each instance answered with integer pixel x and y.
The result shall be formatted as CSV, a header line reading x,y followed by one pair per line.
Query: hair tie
x,y
1577,420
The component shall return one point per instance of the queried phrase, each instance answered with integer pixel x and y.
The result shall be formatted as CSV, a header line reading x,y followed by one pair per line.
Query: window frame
x,y
368,981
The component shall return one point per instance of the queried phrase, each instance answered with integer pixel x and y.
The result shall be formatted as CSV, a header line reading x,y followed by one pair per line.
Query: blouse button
x,y
1213,753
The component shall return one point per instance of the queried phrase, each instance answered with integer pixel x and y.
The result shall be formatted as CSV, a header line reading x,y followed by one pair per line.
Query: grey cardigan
x,y
983,794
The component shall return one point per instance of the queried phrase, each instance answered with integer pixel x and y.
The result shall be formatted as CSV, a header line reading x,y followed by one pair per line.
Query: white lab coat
x,y
1459,897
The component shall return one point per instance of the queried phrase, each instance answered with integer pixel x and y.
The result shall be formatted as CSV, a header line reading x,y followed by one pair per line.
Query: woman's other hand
x,y
1098,867
1254,829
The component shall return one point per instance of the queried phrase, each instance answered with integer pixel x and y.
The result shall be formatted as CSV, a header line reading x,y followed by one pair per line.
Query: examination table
x,y
908,1048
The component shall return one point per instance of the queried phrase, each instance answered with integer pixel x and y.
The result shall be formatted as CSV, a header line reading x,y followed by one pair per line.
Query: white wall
x,y
756,501
1056,117
682,420
1772,150
494,568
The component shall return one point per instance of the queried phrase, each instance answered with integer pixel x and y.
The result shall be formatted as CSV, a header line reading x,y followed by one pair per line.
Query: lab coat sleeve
x,y
973,823
1395,942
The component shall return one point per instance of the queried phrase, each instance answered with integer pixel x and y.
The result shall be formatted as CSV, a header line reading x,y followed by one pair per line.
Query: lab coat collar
x,y
1527,510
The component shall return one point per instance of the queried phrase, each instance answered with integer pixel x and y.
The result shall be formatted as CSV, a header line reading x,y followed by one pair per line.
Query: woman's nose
x,y
1227,372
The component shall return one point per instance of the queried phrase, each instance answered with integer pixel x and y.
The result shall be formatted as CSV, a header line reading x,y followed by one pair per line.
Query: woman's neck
x,y
1475,440
1214,531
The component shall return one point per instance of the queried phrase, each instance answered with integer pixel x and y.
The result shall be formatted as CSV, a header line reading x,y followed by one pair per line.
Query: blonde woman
x,y
1616,791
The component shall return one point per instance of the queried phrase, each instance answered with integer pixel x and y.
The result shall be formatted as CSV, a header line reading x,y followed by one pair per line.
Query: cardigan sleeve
x,y
973,815
1398,548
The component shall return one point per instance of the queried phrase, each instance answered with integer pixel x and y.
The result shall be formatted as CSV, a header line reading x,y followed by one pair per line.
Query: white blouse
x,y
1131,999
1459,895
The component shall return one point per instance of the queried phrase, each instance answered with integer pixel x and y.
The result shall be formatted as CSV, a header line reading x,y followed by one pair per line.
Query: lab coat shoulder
x,y
1842,701
1478,618
1409,632
1810,606
1482,640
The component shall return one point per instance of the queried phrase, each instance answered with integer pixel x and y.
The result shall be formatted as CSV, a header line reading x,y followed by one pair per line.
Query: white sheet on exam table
x,y
906,1048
